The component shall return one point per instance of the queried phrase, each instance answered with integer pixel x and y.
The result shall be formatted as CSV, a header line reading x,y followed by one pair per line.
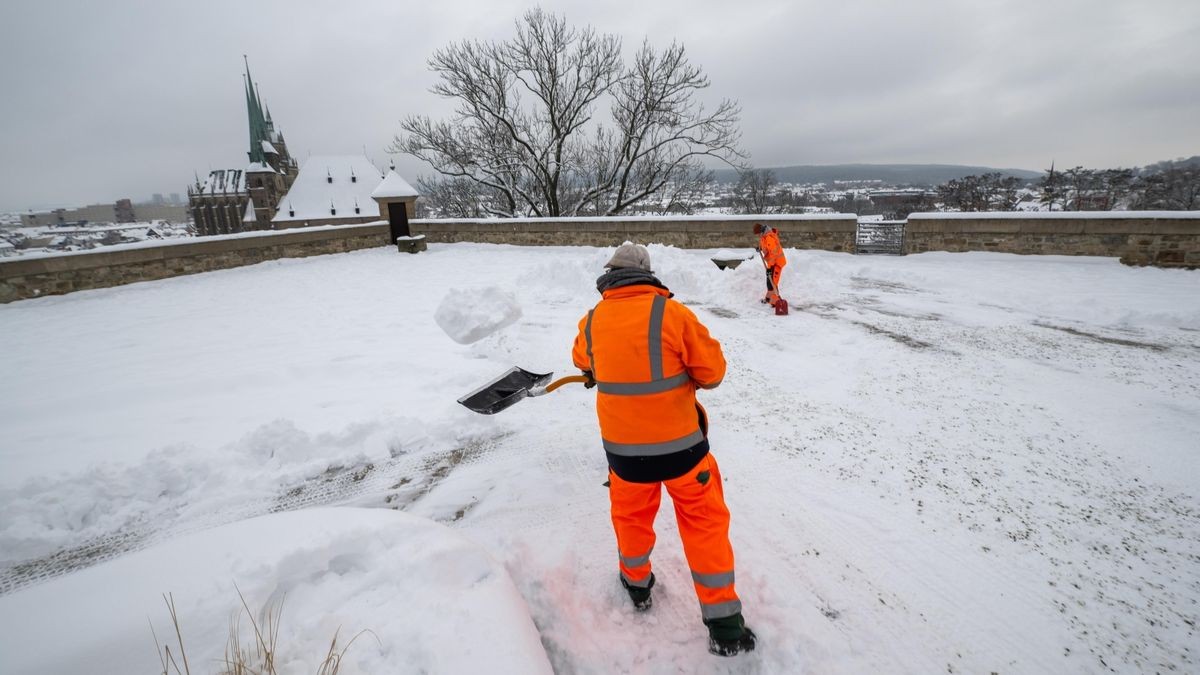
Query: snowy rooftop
x,y
331,186
224,181
394,186
977,460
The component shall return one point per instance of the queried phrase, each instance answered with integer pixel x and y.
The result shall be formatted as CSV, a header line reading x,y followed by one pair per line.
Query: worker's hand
x,y
591,381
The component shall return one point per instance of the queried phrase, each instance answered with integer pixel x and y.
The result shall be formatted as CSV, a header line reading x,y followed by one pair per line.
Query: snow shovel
x,y
780,305
514,385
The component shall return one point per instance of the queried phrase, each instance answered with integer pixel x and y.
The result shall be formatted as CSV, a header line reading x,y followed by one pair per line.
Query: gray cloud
x,y
125,98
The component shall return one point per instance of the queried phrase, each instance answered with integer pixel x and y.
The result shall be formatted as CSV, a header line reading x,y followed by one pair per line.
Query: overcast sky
x,y
102,100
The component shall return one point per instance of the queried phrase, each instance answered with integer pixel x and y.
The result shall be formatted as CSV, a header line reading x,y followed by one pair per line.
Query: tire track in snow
x,y
396,483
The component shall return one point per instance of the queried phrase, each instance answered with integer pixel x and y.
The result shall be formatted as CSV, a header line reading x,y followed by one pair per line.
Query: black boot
x,y
640,596
729,636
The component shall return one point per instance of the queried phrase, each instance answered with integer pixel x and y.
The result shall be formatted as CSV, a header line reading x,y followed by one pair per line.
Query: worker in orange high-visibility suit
x,y
772,252
646,355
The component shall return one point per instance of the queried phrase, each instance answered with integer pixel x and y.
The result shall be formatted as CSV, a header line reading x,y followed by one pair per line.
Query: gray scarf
x,y
627,276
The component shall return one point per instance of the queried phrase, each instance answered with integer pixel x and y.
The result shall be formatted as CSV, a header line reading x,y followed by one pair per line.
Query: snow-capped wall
x,y
828,232
1165,239
1160,238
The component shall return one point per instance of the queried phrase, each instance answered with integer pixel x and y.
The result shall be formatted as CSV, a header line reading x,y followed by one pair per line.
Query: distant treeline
x,y
927,175
1172,185
1167,186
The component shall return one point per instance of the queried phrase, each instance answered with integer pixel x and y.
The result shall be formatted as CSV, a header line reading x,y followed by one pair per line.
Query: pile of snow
x,y
432,601
730,254
469,315
183,482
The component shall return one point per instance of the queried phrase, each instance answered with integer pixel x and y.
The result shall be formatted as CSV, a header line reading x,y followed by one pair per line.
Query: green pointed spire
x,y
258,125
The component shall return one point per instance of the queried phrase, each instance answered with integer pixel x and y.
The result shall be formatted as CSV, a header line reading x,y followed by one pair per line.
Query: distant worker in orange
x,y
772,253
646,355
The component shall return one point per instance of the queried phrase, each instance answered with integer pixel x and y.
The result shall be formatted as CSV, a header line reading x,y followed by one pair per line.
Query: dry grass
x,y
256,658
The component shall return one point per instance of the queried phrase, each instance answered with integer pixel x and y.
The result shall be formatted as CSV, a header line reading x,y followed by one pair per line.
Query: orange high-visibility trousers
x,y
773,274
703,525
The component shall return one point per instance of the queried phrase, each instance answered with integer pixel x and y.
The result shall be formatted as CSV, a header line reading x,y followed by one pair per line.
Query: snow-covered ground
x,y
940,462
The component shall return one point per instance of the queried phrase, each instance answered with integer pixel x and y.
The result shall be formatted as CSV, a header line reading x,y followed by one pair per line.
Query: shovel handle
x,y
565,380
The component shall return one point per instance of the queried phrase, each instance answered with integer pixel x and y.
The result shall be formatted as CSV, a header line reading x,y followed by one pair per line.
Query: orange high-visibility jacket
x,y
772,250
648,354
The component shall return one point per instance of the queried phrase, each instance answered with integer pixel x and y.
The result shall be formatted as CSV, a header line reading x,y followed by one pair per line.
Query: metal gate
x,y
880,236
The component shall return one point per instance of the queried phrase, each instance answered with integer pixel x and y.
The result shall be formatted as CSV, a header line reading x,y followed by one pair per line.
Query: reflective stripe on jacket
x,y
648,354
772,250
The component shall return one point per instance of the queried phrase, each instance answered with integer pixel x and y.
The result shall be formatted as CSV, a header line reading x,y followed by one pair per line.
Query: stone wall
x,y
827,232
23,278
1167,239
1160,238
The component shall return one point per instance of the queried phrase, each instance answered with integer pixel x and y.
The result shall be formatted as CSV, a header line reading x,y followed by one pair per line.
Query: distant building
x,y
175,213
123,211
57,217
237,200
331,190
900,203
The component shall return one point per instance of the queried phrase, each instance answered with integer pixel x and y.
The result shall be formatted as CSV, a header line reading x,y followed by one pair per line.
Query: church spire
x,y
258,125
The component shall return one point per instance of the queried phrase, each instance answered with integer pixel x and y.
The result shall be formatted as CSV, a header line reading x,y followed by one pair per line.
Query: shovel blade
x,y
504,391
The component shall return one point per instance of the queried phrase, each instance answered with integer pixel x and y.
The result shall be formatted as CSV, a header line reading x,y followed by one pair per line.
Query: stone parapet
x,y
1166,239
57,274
831,233
33,277
1160,238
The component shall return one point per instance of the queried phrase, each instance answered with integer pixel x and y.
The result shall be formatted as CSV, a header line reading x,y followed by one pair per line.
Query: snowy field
x,y
967,463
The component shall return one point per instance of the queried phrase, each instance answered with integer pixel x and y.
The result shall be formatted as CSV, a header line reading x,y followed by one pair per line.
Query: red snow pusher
x,y
514,385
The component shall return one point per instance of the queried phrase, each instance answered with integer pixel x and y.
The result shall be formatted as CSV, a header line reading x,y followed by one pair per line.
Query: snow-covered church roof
x,y
223,181
394,186
331,186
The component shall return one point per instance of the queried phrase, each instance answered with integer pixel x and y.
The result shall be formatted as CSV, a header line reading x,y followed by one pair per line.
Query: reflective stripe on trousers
x,y
703,526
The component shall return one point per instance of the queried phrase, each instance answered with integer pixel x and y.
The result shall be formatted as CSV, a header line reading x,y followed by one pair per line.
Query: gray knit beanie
x,y
630,255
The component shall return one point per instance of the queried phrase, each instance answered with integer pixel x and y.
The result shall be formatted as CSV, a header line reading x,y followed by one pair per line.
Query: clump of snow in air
x,y
974,462
469,315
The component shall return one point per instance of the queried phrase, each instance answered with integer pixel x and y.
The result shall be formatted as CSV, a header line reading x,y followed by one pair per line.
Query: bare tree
x,y
1078,184
684,197
753,191
524,128
1171,189
1051,187
986,192
1116,184
455,197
